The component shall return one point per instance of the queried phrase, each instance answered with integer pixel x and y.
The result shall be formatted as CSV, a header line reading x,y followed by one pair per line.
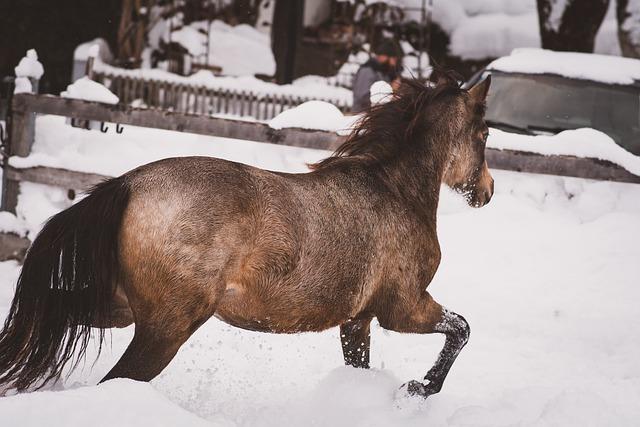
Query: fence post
x,y
21,127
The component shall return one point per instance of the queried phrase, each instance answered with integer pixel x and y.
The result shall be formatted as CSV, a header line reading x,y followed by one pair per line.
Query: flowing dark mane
x,y
386,128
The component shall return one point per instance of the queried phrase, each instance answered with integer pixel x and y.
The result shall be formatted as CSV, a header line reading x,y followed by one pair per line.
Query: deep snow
x,y
546,275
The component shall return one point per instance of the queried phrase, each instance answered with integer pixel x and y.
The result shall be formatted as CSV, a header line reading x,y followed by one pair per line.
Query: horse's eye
x,y
485,136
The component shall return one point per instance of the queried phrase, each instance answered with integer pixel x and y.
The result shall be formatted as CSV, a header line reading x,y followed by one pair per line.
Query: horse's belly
x,y
247,311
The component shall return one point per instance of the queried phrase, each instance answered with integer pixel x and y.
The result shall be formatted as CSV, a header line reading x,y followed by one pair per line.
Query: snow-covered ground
x,y
546,274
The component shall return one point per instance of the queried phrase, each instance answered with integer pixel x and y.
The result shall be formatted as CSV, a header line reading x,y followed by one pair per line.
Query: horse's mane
x,y
386,128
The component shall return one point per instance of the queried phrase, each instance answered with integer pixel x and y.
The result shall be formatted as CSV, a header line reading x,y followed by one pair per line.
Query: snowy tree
x,y
628,14
571,25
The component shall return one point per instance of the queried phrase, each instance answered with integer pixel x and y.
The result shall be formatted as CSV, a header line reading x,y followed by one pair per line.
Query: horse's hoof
x,y
416,388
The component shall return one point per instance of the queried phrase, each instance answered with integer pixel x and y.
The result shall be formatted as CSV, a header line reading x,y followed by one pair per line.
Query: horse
x,y
172,243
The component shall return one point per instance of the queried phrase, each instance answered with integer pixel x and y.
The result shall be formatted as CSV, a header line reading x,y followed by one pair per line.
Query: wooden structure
x,y
25,107
203,100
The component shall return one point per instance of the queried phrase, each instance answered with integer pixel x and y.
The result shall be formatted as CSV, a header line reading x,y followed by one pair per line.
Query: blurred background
x,y
283,40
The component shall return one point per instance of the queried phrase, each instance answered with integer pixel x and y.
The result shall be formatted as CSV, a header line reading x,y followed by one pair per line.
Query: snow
x,y
95,48
22,85
225,41
493,35
484,29
583,142
380,92
607,42
137,404
321,115
598,68
317,115
94,51
9,223
546,275
29,66
549,266
303,88
113,154
89,90
511,7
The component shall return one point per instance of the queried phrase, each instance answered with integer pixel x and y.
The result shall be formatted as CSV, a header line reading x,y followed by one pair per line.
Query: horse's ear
x,y
480,90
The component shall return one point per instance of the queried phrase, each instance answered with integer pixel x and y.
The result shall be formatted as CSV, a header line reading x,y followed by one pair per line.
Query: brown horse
x,y
172,243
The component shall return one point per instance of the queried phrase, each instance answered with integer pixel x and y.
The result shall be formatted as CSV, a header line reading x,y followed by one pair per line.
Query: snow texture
x,y
22,85
29,66
584,142
225,42
318,115
94,51
598,68
380,92
9,223
89,49
116,403
89,90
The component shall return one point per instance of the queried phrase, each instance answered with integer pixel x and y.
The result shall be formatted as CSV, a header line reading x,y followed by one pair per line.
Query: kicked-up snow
x,y
546,275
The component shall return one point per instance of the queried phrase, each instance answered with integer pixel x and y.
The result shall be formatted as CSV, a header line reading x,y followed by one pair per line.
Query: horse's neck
x,y
417,176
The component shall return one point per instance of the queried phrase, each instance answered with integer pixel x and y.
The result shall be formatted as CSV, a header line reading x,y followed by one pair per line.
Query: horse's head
x,y
426,130
467,171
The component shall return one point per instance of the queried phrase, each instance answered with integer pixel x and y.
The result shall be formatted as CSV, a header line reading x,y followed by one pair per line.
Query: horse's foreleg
x,y
356,339
427,316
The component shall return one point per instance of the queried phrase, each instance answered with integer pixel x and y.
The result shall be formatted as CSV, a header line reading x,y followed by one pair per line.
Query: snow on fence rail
x,y
26,106
187,97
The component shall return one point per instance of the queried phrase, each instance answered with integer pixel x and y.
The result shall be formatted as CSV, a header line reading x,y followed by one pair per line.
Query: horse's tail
x,y
66,284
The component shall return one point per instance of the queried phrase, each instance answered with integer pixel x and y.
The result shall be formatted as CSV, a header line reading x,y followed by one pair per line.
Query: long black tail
x,y
66,284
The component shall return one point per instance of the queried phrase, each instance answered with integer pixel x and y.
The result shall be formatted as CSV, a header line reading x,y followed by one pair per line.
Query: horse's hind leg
x,y
162,326
427,316
148,354
356,339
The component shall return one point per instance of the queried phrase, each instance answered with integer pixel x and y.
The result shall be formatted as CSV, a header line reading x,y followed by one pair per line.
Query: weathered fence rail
x,y
199,99
25,107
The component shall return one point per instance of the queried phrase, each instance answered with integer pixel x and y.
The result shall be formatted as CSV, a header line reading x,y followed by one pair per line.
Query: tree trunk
x,y
628,14
570,25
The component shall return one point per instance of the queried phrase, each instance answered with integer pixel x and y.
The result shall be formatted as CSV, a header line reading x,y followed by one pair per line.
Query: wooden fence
x,y
25,107
193,99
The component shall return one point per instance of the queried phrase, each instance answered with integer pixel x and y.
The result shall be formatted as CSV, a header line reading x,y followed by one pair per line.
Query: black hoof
x,y
416,388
